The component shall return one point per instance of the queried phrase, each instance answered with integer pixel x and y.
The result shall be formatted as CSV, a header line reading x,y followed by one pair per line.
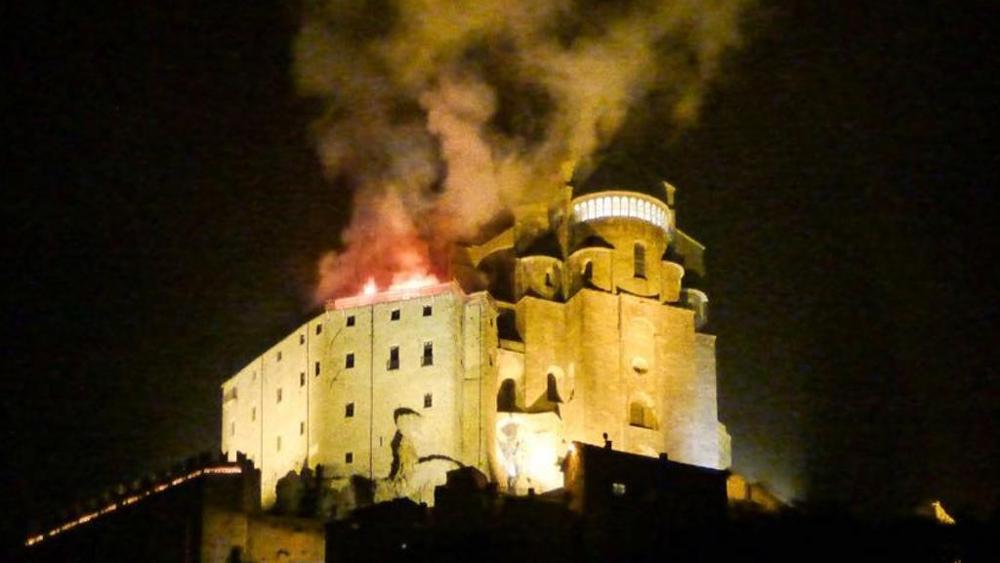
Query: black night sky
x,y
164,210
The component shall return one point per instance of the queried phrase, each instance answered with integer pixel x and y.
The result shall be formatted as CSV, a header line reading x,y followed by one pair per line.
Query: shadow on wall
x,y
413,474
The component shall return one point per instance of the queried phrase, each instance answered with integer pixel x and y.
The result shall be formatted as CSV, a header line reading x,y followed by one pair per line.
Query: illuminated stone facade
x,y
572,325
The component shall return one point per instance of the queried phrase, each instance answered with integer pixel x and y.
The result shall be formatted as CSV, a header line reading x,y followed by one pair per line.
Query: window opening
x,y
394,357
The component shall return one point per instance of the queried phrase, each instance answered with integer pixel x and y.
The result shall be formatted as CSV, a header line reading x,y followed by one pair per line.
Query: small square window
x,y
302,379
394,315
319,328
302,339
393,358
279,394
350,320
428,401
428,310
618,489
302,428
349,410
316,368
349,457
349,360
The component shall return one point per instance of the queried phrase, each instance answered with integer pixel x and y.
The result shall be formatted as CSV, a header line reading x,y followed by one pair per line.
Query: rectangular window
x,y
319,328
428,358
349,360
302,428
394,315
394,357
349,410
428,401
349,457
640,260
428,310
302,379
279,394
350,320
316,368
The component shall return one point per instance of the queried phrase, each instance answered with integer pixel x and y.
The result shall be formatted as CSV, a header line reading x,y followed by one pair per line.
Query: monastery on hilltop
x,y
581,322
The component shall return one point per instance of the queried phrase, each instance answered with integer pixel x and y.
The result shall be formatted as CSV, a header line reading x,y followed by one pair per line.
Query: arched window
x,y
507,397
639,260
552,389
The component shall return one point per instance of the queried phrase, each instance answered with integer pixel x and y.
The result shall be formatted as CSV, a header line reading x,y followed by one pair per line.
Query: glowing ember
x,y
370,288
412,281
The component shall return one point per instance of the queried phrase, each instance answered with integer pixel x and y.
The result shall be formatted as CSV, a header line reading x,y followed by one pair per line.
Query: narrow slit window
x,y
393,357
349,410
349,360
316,368
302,339
278,447
428,358
279,356
279,395
253,414
640,260
302,428
302,379
319,328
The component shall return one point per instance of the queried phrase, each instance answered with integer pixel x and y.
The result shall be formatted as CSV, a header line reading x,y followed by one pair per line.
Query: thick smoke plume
x,y
442,115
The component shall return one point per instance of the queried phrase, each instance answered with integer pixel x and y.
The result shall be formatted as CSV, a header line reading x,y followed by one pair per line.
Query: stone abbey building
x,y
580,322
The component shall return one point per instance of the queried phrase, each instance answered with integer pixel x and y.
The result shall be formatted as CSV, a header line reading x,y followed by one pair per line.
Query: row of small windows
x,y
621,206
351,320
428,403
394,315
348,412
426,359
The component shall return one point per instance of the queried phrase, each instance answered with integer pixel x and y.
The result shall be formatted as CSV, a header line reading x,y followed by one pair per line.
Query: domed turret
x,y
618,237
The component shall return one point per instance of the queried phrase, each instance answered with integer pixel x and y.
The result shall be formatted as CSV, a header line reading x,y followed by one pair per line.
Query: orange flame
x,y
401,282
